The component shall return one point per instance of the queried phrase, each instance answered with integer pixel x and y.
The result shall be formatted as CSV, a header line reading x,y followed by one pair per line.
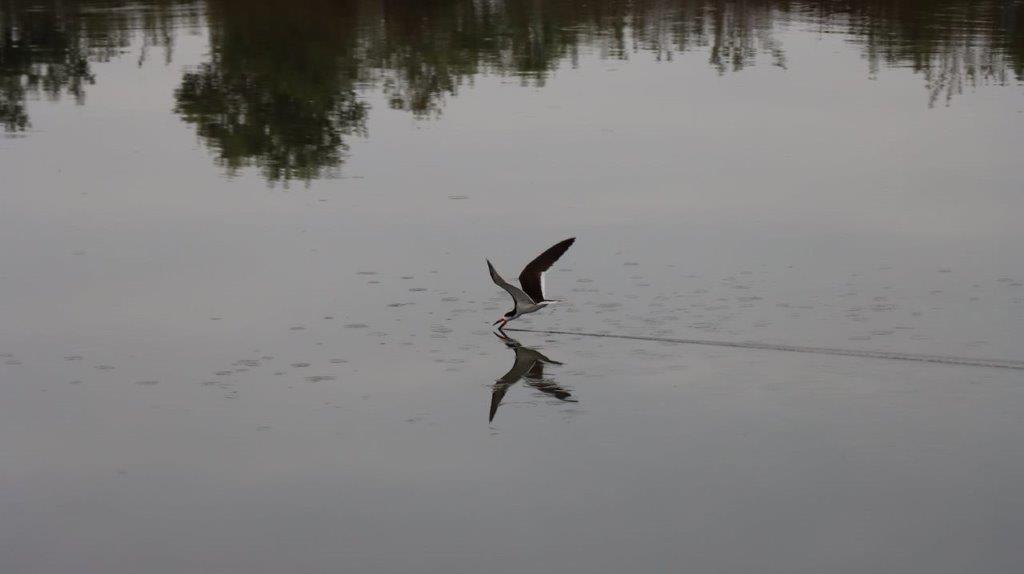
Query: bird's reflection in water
x,y
529,365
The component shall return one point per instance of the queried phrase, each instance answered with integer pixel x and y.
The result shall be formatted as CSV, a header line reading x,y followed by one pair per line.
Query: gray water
x,y
246,312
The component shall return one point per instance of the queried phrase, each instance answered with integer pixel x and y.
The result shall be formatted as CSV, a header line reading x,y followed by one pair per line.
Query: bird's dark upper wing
x,y
532,276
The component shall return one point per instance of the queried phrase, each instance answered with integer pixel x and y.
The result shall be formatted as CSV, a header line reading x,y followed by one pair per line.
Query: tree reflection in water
x,y
282,87
279,91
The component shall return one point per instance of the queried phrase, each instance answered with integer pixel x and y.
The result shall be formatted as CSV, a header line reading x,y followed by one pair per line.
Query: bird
x,y
529,363
530,297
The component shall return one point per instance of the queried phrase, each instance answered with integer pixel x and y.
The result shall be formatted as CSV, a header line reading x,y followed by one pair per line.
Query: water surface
x,y
246,309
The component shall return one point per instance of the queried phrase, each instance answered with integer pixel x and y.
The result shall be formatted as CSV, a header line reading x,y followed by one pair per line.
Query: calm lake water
x,y
245,310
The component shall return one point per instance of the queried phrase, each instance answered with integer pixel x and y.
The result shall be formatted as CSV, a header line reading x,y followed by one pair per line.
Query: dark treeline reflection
x,y
280,90
47,47
282,87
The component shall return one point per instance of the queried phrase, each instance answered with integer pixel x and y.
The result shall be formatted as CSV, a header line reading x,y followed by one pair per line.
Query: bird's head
x,y
505,318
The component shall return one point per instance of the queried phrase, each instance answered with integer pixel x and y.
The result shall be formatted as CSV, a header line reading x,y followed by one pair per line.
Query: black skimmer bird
x,y
530,364
531,297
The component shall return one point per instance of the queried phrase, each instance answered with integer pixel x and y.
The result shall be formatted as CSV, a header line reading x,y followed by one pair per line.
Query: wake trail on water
x,y
941,359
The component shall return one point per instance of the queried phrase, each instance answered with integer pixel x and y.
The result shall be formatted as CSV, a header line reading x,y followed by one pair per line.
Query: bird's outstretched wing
x,y
520,297
532,277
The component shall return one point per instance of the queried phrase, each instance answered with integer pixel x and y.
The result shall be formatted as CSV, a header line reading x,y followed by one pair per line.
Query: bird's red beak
x,y
502,320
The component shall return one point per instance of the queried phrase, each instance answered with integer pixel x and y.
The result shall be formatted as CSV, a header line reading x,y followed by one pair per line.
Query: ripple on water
x,y
356,325
300,365
147,383
320,378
